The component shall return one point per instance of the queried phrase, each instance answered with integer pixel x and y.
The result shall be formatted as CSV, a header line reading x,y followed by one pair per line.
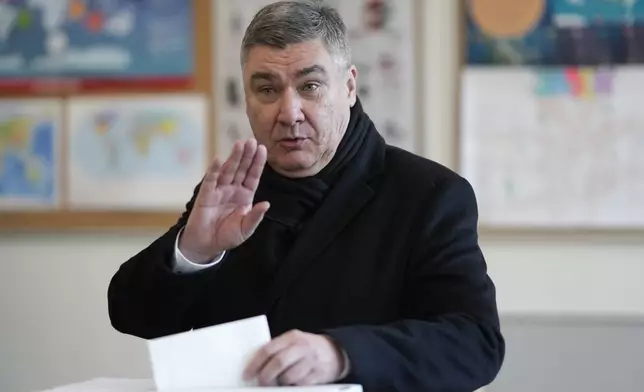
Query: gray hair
x,y
291,22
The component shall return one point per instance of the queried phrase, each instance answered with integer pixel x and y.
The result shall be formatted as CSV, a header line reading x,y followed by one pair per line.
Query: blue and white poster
x,y
96,43
555,33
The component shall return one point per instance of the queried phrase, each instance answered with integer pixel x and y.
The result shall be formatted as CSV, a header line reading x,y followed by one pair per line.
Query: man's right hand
x,y
223,215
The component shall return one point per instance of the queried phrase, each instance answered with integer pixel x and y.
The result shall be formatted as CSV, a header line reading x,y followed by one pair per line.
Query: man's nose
x,y
290,108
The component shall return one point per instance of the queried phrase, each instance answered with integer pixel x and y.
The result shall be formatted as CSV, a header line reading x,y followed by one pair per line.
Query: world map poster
x,y
29,153
86,45
144,152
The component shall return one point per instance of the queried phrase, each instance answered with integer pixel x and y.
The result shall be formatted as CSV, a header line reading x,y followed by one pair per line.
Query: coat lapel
x,y
342,204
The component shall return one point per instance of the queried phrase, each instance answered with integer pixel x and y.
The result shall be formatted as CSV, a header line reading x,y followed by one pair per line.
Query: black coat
x,y
390,267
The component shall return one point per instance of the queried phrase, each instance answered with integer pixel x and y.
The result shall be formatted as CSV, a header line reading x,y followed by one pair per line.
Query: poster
x,y
382,41
142,153
551,126
555,33
81,45
555,154
29,153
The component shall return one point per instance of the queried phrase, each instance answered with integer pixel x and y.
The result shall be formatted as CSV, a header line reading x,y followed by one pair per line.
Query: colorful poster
x,y
90,45
145,152
29,153
550,148
555,32
381,37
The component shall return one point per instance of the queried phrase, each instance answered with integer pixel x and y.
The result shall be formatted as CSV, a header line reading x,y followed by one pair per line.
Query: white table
x,y
145,385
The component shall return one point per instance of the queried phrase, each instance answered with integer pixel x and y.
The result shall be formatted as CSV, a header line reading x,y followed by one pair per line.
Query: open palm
x,y
223,215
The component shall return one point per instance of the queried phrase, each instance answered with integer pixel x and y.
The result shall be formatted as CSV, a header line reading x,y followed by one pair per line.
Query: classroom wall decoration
x,y
382,43
82,45
141,153
552,130
105,111
30,131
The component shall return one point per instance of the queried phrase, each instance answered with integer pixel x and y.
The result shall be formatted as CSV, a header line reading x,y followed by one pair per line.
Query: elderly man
x,y
364,257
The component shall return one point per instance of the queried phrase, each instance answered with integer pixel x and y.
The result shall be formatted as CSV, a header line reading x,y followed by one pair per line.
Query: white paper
x,y
538,154
208,357
143,152
137,385
108,385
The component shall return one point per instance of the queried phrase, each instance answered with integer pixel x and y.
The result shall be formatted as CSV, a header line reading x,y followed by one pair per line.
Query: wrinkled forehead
x,y
293,62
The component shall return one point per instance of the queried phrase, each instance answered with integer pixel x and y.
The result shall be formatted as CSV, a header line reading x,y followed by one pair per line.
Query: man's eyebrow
x,y
269,76
263,76
312,69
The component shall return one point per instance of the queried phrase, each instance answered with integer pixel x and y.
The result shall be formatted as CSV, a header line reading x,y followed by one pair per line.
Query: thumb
x,y
253,218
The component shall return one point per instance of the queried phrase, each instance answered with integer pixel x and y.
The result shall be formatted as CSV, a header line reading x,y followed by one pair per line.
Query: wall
x,y
53,322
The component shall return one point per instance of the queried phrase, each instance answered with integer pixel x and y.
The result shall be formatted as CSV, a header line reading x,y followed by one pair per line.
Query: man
x,y
364,257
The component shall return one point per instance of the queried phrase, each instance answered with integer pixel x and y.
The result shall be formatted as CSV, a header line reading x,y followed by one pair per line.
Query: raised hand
x,y
223,215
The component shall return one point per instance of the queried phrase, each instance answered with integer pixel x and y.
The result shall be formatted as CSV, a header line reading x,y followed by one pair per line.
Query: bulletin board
x,y
106,111
551,129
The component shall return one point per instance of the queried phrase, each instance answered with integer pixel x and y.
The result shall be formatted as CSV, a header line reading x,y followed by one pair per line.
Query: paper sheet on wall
x,y
382,41
543,151
144,152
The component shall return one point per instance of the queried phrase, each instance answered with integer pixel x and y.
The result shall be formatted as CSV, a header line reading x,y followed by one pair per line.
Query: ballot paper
x,y
138,385
211,357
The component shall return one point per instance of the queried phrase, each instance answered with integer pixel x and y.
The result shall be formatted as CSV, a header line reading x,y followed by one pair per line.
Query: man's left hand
x,y
297,358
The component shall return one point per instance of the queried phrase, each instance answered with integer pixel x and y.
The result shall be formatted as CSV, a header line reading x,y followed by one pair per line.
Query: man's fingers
x,y
227,174
250,148
271,373
213,170
257,167
210,180
265,353
300,373
253,218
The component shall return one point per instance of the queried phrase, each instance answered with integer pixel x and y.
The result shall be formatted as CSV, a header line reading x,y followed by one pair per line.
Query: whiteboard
x,y
540,154
383,56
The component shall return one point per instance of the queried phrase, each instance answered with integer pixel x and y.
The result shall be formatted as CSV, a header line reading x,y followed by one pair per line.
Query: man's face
x,y
298,103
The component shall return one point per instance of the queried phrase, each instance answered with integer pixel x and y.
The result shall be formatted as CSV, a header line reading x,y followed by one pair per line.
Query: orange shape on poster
x,y
77,9
506,18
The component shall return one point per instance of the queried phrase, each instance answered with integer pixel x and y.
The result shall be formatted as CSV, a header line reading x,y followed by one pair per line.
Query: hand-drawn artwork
x,y
29,153
376,14
382,40
236,22
570,153
392,130
233,132
138,152
550,124
232,92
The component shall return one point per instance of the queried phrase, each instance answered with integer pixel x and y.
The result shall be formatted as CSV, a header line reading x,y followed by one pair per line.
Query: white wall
x,y
53,312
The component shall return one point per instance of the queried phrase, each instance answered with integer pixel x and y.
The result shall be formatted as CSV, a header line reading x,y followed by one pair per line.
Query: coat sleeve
x,y
449,337
146,298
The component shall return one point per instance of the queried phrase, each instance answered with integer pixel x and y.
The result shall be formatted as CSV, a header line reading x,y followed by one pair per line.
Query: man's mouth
x,y
292,142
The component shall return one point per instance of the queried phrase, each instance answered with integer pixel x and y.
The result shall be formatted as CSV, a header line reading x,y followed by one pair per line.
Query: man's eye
x,y
266,90
311,87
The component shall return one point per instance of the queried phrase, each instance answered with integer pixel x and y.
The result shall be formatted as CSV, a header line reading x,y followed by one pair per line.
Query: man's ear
x,y
352,87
